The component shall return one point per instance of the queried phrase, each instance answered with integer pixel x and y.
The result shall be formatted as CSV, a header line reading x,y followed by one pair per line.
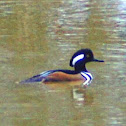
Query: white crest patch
x,y
77,58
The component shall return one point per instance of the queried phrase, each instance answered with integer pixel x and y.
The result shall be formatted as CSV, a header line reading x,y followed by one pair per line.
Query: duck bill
x,y
96,60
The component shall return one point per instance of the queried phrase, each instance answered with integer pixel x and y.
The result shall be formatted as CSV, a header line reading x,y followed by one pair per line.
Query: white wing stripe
x,y
45,73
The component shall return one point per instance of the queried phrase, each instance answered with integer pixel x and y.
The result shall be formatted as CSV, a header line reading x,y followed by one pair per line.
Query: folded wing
x,y
38,78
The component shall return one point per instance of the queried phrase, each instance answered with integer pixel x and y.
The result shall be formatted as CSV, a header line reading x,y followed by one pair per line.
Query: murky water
x,y
42,35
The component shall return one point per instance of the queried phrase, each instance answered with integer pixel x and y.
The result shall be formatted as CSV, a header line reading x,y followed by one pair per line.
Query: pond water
x,y
39,35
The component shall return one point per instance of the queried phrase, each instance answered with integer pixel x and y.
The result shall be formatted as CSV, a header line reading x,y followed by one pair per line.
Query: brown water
x,y
42,35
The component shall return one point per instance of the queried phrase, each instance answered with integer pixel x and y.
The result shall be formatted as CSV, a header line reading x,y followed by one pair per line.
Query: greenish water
x,y
41,35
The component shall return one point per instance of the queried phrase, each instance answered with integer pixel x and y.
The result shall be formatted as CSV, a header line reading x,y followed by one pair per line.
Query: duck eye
x,y
87,55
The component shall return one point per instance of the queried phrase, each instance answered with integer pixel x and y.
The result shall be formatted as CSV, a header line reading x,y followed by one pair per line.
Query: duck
x,y
78,61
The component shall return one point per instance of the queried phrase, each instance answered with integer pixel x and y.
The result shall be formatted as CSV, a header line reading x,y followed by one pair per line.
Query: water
x,y
41,35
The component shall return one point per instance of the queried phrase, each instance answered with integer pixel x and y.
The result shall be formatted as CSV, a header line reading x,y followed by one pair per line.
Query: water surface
x,y
41,35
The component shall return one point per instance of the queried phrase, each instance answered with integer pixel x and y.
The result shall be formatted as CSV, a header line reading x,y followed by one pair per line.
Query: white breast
x,y
88,77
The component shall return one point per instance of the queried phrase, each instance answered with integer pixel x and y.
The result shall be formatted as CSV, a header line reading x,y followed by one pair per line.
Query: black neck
x,y
80,68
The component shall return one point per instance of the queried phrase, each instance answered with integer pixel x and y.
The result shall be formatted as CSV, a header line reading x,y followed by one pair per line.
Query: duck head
x,y
81,57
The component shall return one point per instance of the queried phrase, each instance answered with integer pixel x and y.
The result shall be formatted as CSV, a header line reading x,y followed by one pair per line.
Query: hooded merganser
x,y
78,61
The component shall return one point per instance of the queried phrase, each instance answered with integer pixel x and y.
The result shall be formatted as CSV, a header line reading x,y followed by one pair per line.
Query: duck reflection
x,y
81,95
77,91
